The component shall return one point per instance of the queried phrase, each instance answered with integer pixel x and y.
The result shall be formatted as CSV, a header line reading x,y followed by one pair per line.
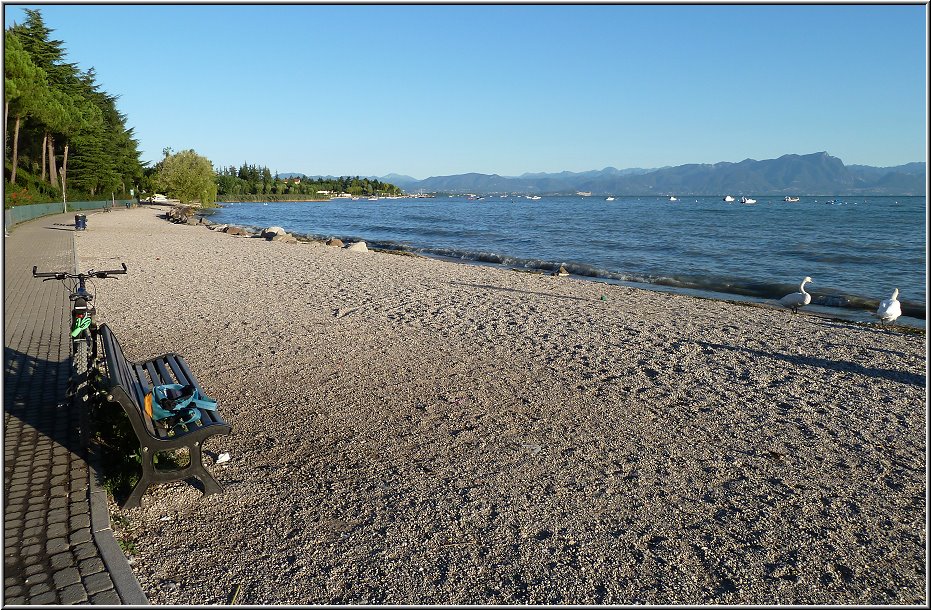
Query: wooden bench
x,y
128,383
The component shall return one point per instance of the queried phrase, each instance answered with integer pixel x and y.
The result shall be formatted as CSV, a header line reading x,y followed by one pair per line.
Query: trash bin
x,y
80,222
128,204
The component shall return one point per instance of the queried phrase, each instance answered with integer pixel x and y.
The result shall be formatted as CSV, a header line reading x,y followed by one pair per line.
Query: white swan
x,y
890,309
797,299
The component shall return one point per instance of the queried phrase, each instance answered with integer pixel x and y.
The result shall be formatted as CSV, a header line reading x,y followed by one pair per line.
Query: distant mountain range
x,y
814,174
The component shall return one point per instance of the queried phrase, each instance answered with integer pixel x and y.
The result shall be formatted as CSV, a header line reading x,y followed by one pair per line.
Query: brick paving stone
x,y
68,576
57,530
56,545
109,597
32,550
38,588
95,583
90,566
13,591
82,535
45,598
83,551
34,569
62,560
35,521
59,515
80,521
73,594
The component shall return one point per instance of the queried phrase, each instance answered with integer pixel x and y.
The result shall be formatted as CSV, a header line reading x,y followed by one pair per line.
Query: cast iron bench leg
x,y
197,467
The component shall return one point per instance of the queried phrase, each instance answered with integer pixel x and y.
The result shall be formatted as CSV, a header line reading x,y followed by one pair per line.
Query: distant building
x,y
323,192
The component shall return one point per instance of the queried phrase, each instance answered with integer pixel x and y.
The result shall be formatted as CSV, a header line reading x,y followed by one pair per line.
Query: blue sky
x,y
437,90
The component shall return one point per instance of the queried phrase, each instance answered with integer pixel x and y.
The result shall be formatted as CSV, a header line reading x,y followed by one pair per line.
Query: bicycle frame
x,y
82,310
83,325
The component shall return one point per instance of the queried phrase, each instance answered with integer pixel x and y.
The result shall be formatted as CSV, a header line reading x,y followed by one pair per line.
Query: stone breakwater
x,y
414,431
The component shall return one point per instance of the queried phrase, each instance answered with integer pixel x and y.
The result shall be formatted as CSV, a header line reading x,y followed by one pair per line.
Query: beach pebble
x,y
358,246
338,243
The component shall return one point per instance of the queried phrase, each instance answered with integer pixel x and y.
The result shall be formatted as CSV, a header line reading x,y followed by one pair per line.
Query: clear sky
x,y
449,89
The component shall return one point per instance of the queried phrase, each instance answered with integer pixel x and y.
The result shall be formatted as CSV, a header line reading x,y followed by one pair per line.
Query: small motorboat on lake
x,y
609,199
673,199
728,198
791,199
747,200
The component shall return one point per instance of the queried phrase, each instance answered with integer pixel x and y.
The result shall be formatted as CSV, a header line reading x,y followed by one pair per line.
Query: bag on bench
x,y
174,405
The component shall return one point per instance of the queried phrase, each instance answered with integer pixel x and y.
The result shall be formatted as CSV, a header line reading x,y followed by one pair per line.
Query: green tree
x,y
25,90
187,176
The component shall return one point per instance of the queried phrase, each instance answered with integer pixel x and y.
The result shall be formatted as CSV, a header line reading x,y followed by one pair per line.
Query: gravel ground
x,y
415,431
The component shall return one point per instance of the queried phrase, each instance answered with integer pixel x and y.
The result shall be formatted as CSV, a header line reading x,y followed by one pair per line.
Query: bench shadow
x,y
825,363
35,391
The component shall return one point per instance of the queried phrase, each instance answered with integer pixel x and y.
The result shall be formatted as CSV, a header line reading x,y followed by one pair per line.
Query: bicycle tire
x,y
79,364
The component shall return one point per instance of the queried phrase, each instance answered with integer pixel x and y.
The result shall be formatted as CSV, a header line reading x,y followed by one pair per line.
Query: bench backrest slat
x,y
140,389
118,367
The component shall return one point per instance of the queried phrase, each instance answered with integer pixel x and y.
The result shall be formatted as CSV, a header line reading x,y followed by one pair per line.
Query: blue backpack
x,y
178,404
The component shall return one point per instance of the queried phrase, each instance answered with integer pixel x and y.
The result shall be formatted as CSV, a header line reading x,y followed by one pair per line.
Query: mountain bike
x,y
83,326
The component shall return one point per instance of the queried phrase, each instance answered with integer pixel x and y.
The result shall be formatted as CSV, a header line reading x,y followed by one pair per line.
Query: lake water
x,y
856,249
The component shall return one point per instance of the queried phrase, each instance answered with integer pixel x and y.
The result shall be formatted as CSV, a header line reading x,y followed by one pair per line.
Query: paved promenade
x,y
58,546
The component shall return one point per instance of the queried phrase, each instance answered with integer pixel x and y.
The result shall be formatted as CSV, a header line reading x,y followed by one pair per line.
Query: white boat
x,y
535,198
747,200
791,199
609,199
728,198
673,199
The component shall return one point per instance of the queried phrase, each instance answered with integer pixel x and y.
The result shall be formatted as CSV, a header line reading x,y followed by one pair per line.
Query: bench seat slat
x,y
163,372
182,370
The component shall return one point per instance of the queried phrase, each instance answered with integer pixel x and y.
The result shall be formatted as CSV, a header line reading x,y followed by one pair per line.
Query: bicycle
x,y
83,326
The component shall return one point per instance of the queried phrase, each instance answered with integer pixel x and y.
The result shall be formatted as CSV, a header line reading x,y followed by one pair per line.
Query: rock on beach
x,y
408,430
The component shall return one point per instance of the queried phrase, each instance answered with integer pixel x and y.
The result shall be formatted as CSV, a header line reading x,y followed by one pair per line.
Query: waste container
x,y
80,222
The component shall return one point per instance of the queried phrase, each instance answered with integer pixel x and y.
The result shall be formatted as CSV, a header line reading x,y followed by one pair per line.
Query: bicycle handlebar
x,y
61,275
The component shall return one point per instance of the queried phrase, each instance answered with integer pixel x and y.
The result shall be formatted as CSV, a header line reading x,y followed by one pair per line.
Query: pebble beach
x,y
408,430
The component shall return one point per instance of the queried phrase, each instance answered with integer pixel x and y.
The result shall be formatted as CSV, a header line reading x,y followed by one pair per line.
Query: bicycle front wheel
x,y
79,363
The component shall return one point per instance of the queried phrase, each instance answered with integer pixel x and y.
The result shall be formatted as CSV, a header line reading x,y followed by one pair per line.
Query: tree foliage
x,y
249,180
188,177
59,112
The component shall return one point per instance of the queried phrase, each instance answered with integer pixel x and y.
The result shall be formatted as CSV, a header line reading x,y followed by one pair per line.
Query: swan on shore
x,y
889,309
797,299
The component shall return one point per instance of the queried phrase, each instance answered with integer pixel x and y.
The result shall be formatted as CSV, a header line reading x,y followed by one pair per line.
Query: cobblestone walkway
x,y
52,551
